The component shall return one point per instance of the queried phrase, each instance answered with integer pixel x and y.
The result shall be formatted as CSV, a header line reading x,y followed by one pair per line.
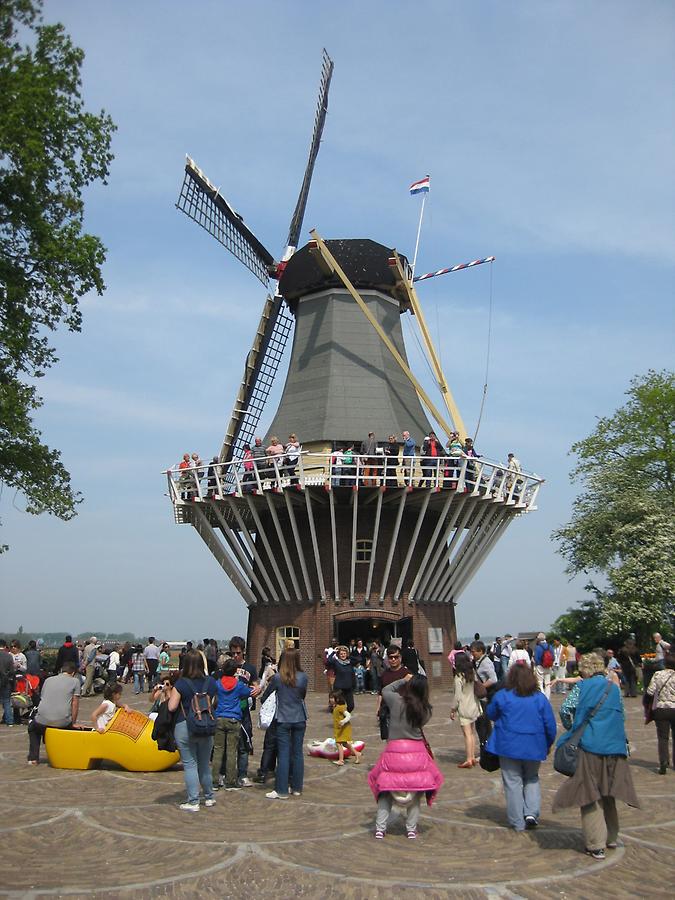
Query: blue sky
x,y
548,130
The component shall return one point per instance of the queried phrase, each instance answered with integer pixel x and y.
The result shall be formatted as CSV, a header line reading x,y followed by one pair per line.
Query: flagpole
x,y
419,229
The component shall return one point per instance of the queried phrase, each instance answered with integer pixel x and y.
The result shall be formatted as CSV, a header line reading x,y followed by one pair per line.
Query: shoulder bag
x,y
427,745
566,755
267,711
650,703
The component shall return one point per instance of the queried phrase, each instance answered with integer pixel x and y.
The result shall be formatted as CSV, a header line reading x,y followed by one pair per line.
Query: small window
x,y
287,633
364,550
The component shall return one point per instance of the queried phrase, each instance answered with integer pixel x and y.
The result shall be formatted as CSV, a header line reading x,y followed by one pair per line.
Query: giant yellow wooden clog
x,y
127,741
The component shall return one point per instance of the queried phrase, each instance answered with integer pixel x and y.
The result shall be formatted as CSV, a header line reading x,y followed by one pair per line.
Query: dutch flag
x,y
420,187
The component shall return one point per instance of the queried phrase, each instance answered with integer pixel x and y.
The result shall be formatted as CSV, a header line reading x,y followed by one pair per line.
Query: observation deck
x,y
405,530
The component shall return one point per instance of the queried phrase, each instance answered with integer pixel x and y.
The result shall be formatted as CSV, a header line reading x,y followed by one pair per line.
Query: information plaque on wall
x,y
435,640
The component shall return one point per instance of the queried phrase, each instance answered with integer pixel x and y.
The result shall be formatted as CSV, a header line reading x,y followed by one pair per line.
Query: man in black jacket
x,y
68,652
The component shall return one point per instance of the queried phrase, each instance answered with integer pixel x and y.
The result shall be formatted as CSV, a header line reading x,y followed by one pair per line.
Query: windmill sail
x,y
276,322
319,122
260,369
202,202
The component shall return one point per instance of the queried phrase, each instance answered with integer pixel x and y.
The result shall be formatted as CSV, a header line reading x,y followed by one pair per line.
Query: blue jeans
x,y
290,758
195,754
6,697
139,682
520,778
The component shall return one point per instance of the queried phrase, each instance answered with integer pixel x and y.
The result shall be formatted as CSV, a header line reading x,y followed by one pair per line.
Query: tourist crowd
x,y
501,699
373,463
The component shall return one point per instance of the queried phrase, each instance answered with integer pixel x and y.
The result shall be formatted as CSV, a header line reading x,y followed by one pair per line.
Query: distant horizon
x,y
56,637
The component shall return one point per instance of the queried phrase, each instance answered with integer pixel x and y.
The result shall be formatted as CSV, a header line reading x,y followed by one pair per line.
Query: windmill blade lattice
x,y
262,365
319,122
202,202
276,322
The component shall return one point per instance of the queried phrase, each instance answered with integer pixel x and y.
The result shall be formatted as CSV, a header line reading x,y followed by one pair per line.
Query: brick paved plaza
x,y
112,833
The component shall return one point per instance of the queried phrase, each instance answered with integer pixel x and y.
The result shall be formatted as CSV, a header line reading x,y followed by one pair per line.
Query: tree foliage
x,y
623,523
581,625
51,149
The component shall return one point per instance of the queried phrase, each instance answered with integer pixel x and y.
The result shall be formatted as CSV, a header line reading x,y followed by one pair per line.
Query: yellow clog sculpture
x,y
127,741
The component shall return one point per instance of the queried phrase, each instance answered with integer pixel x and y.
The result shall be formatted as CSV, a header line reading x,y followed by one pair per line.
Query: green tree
x,y
51,148
623,522
582,625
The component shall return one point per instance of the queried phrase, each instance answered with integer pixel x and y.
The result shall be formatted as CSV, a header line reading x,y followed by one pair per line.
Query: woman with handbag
x,y
524,732
290,683
661,694
593,716
468,692
406,766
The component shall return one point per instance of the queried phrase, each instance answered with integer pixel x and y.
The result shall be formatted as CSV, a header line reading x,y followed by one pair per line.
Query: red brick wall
x,y
317,625
315,619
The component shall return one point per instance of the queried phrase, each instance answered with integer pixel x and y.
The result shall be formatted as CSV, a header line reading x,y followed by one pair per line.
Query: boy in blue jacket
x,y
231,693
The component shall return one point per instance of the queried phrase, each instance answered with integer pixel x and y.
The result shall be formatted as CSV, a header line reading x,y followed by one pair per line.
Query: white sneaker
x,y
297,793
245,782
210,802
190,807
274,796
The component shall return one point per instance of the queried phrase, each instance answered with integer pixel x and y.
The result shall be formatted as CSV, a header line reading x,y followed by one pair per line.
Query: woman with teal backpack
x,y
602,774
193,699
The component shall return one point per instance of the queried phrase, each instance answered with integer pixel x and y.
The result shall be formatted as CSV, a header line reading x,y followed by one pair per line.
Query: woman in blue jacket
x,y
602,775
523,734
291,717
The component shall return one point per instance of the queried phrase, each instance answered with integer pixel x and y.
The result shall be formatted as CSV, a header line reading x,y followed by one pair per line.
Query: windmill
x,y
201,201
348,545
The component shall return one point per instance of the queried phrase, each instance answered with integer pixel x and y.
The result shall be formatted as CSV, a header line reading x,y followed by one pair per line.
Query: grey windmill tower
x,y
340,543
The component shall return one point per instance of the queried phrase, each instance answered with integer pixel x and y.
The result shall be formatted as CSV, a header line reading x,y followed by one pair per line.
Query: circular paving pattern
x,y
114,833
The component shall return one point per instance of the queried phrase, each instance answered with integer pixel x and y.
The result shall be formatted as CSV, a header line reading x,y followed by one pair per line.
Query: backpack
x,y
547,658
199,715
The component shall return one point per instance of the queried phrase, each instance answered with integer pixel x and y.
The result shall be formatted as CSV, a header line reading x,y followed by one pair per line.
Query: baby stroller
x,y
25,697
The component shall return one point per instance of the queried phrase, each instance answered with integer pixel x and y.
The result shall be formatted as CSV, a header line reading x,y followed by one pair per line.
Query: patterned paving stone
x,y
103,857
127,829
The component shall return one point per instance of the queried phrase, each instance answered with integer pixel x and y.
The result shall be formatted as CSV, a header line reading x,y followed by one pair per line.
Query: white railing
x,y
473,476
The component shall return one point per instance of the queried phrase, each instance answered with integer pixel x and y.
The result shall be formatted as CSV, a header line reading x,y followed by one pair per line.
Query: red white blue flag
x,y
420,187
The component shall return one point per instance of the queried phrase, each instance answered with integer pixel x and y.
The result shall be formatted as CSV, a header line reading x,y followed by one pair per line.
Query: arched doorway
x,y
369,625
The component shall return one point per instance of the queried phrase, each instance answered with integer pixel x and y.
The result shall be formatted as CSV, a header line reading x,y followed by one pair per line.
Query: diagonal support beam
x,y
333,532
236,545
261,532
458,519
462,573
284,546
208,534
413,544
243,530
430,548
298,545
467,536
404,283
392,546
355,522
373,550
459,586
319,247
315,544
480,531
